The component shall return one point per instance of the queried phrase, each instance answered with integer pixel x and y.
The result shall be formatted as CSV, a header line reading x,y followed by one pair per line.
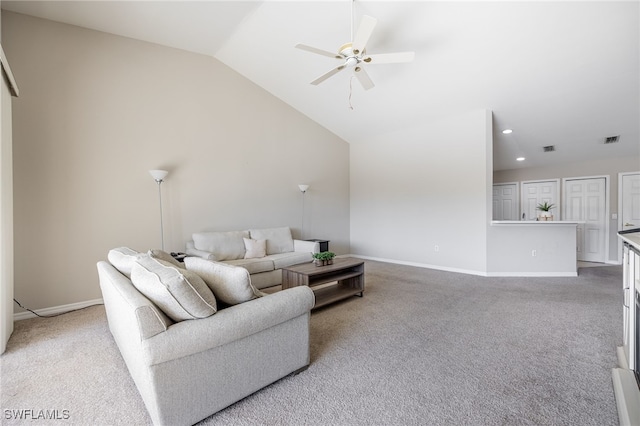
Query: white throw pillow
x,y
254,248
223,245
179,293
230,284
123,258
279,240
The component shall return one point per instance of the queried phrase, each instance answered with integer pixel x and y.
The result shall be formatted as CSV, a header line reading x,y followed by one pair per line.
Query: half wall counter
x,y
530,248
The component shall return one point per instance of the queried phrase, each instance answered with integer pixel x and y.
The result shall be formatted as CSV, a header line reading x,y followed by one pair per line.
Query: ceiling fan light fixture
x,y
351,62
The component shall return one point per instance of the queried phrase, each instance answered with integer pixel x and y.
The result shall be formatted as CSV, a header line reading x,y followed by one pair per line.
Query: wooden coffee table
x,y
346,276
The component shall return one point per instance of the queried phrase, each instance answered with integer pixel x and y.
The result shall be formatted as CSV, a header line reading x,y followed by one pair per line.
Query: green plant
x,y
545,207
324,255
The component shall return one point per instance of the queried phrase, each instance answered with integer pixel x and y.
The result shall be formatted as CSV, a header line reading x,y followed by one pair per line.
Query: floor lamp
x,y
303,189
158,176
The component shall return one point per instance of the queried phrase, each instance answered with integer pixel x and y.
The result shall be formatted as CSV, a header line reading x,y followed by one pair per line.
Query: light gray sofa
x,y
231,247
187,370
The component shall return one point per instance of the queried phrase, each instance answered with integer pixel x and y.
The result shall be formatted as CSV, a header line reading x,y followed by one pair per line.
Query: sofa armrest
x,y
193,251
234,323
306,246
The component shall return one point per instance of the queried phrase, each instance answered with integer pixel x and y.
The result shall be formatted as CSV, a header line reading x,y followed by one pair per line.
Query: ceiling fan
x,y
353,54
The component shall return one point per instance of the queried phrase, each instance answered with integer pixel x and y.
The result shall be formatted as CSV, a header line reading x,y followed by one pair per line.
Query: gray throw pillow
x,y
230,284
123,258
180,294
163,255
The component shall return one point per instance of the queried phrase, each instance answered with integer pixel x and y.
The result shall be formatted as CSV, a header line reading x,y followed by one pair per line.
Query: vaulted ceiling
x,y
558,73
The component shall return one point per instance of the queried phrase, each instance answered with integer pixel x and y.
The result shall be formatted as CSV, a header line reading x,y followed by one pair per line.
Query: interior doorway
x,y
538,192
629,201
585,200
506,201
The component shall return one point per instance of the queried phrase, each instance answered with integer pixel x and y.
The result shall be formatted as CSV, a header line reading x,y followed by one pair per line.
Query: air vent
x,y
549,148
612,139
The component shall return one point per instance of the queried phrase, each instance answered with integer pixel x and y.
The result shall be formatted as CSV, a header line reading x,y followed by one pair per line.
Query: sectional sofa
x,y
188,357
263,252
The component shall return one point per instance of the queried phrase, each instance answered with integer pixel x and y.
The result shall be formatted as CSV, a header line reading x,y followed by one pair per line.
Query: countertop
x,y
632,238
536,222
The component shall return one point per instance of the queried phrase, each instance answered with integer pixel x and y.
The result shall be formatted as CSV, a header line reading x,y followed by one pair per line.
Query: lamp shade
x,y
158,175
303,188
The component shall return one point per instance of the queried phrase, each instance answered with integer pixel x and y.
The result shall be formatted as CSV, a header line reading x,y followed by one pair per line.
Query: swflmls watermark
x,y
31,414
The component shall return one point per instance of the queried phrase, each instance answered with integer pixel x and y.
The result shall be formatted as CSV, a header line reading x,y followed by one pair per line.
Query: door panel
x,y
538,192
630,201
505,201
585,200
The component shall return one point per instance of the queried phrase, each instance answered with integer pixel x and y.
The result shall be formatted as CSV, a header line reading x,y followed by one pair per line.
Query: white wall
x,y
427,186
603,167
511,250
97,111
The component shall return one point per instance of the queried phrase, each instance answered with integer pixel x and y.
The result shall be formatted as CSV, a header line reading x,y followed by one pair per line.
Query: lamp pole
x,y
158,176
303,188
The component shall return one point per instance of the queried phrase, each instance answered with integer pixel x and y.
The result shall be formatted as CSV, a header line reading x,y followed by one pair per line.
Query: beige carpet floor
x,y
421,347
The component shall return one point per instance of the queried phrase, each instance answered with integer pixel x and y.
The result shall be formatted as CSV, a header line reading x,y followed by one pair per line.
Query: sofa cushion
x,y
279,240
163,255
254,266
254,248
123,258
230,284
223,245
288,259
180,294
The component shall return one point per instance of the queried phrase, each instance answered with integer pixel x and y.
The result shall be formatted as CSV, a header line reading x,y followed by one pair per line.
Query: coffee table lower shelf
x,y
345,278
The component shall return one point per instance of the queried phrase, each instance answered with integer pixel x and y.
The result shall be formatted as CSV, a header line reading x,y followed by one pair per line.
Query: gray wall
x,y
97,111
604,167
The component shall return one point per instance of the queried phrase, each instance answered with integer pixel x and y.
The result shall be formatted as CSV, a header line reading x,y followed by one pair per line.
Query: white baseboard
x,y
532,274
469,272
420,265
54,310
627,396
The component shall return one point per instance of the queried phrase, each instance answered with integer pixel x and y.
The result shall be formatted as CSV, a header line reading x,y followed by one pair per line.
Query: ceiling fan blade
x,y
389,58
364,78
328,74
367,24
318,51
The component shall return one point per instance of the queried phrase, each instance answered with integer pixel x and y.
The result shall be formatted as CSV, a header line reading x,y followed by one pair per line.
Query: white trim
x,y
468,272
57,309
13,86
607,206
620,176
532,274
420,265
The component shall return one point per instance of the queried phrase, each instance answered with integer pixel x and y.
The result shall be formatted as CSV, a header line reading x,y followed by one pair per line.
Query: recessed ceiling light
x,y
520,159
507,131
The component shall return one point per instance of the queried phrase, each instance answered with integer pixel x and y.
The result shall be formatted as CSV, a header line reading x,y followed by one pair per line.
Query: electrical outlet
x,y
436,248
534,253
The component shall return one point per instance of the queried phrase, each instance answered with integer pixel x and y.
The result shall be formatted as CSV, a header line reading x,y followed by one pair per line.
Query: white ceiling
x,y
557,73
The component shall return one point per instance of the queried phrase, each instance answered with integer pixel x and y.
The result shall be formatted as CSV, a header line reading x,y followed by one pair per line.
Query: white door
x,y
630,203
538,192
585,200
505,201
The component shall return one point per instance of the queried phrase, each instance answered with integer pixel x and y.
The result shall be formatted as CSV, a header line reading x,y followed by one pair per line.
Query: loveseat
x,y
190,353
263,252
